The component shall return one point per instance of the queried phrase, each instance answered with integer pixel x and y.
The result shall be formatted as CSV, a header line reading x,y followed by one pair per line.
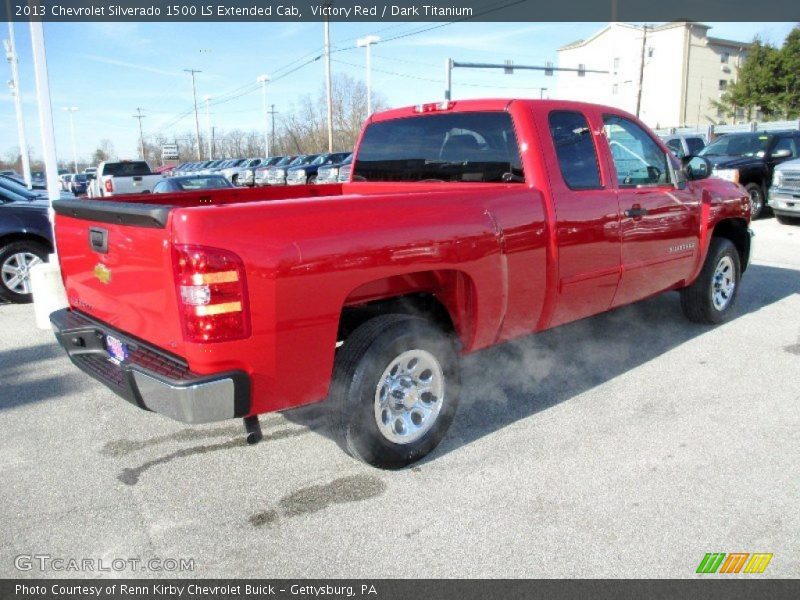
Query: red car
x,y
466,224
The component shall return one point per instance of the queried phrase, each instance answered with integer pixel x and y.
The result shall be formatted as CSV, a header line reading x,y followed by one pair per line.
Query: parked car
x,y
683,145
264,173
26,239
91,172
78,184
277,175
749,159
231,168
784,195
457,241
345,170
307,173
245,174
330,173
17,186
123,177
191,183
63,181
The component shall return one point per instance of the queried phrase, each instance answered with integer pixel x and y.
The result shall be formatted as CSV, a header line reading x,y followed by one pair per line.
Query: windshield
x,y
80,178
202,183
738,144
451,147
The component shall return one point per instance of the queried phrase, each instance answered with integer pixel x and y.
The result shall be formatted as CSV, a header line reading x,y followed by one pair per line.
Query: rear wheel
x,y
16,260
710,299
395,387
312,180
756,199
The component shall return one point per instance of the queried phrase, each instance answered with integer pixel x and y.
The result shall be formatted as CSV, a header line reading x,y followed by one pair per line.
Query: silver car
x,y
784,195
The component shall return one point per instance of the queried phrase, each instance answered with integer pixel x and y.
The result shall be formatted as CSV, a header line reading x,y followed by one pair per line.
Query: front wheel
x,y
16,261
756,199
395,386
710,299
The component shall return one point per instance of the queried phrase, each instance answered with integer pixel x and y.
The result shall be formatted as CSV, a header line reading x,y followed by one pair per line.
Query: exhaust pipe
x,y
253,429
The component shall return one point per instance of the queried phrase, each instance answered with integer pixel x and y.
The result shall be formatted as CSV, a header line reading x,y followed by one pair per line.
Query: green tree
x,y
768,80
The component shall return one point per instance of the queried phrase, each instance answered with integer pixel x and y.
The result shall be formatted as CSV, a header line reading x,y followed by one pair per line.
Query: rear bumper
x,y
150,378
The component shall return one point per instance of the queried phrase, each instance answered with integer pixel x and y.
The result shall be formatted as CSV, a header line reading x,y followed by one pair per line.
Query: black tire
x,y
757,203
697,300
362,362
312,180
235,180
7,254
784,220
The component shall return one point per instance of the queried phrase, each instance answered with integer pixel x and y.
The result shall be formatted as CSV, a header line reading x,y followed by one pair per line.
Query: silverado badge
x,y
103,273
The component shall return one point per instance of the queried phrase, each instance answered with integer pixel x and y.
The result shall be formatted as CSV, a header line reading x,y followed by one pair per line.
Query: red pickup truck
x,y
465,224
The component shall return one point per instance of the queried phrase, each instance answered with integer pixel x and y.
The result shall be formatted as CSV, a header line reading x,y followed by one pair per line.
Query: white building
x,y
677,66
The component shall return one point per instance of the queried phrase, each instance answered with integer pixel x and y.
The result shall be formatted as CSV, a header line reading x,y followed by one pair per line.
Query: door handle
x,y
635,211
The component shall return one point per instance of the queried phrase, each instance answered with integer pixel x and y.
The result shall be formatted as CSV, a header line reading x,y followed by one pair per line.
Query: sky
x,y
108,70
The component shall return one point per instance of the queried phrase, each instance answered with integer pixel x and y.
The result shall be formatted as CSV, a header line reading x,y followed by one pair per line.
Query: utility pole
x,y
367,42
542,90
328,90
140,116
11,55
192,72
263,79
641,72
272,113
72,110
207,100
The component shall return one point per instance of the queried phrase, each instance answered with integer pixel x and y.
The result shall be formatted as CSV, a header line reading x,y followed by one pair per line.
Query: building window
x,y
723,85
725,57
615,89
720,113
650,51
616,63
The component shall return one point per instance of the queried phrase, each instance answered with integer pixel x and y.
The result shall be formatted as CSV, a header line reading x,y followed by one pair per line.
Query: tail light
x,y
212,293
433,107
109,184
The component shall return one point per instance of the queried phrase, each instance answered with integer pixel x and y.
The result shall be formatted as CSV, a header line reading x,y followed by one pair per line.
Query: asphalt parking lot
x,y
626,445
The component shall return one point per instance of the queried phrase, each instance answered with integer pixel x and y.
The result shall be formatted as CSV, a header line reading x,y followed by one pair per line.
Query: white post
x,y
208,126
48,291
328,89
71,110
263,79
448,78
11,55
367,43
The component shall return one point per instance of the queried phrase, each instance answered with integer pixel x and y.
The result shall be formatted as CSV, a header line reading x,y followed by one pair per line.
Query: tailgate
x,y
116,264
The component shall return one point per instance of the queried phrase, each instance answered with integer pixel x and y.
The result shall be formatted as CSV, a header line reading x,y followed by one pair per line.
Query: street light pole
x,y
11,55
72,110
207,100
272,113
367,42
263,79
328,90
192,72
45,112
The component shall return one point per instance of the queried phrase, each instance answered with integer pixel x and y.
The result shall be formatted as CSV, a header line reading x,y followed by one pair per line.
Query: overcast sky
x,y
107,70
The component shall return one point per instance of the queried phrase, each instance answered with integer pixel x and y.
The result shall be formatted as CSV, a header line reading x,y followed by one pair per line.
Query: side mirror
x,y
696,167
782,153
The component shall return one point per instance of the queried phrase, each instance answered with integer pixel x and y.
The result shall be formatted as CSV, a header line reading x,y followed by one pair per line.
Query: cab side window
x,y
639,161
577,156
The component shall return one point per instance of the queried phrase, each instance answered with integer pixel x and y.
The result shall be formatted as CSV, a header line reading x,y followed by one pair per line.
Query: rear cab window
x,y
575,150
468,147
136,168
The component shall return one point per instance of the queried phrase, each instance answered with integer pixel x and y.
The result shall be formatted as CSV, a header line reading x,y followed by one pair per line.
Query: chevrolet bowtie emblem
x,y
103,273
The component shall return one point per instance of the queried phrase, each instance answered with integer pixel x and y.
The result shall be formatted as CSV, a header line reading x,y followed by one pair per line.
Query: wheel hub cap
x,y
723,283
409,396
16,272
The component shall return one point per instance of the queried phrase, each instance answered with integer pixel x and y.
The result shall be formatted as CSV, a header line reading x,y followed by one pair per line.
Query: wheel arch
x,y
445,297
10,238
735,230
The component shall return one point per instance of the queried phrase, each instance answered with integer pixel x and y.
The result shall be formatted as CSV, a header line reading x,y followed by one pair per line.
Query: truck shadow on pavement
x,y
21,381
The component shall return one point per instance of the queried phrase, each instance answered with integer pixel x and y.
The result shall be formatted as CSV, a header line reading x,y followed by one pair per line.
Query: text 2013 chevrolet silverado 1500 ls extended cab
x,y
466,224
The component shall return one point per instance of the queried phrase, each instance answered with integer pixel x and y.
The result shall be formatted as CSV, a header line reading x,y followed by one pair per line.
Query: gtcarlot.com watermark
x,y
47,562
